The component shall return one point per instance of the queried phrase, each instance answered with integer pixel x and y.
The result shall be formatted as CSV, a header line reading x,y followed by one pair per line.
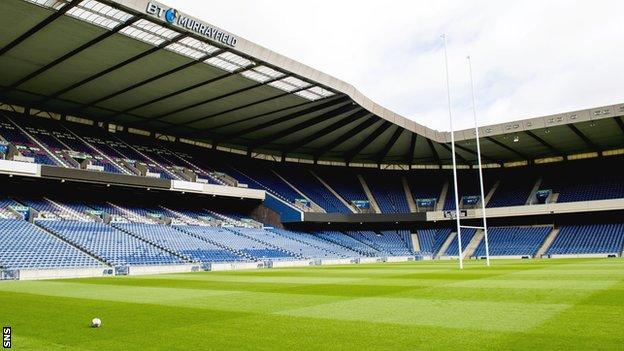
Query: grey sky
x,y
530,57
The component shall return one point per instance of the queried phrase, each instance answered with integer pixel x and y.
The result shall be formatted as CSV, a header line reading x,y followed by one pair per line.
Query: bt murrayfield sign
x,y
173,17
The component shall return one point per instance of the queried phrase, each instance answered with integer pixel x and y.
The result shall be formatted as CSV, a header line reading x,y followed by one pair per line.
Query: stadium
x,y
194,190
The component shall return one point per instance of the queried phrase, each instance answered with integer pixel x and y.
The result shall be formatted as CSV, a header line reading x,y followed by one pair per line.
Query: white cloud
x,y
530,58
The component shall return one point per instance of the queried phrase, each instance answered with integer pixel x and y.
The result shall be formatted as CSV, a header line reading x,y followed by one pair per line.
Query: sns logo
x,y
6,337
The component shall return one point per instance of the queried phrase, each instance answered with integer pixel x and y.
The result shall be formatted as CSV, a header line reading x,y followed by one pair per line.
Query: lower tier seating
x,y
114,246
193,248
348,242
238,242
431,240
588,239
513,241
466,236
24,245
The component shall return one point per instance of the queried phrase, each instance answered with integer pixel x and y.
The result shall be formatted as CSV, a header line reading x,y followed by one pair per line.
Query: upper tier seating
x,y
115,247
23,143
513,190
388,191
588,239
346,184
23,245
513,241
265,179
308,184
425,184
468,186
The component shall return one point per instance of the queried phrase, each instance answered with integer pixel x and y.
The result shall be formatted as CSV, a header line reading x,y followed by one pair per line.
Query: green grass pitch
x,y
533,304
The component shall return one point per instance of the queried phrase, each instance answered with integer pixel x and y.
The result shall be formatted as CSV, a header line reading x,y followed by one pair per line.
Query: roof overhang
x,y
143,65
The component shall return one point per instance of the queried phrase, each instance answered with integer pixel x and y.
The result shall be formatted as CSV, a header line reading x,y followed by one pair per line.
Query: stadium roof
x,y
144,65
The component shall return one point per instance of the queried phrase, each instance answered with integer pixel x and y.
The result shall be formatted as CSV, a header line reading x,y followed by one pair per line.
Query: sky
x,y
530,58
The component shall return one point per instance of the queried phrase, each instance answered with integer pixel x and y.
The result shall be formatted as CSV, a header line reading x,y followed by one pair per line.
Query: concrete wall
x,y
36,274
147,270
333,261
370,259
235,266
399,258
285,264
540,209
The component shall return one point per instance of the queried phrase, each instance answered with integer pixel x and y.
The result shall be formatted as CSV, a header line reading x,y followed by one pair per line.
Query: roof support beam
x,y
460,157
393,139
409,156
219,97
261,101
434,152
111,69
330,128
303,125
523,156
172,94
620,123
545,143
39,26
149,80
344,137
349,155
74,52
282,119
489,159
247,119
590,144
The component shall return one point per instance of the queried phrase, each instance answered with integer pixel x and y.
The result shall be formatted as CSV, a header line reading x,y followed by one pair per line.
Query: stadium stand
x,y
190,247
588,239
109,244
307,183
388,192
24,245
578,185
512,190
425,185
265,179
431,240
236,240
513,241
388,243
348,242
346,184
314,241
453,249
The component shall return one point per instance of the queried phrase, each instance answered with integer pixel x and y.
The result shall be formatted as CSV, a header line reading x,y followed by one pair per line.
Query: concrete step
x,y
415,242
474,243
489,195
344,202
369,194
534,190
315,207
408,195
442,197
446,244
547,242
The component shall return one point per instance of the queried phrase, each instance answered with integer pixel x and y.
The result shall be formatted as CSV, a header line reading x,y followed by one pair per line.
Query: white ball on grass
x,y
96,323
